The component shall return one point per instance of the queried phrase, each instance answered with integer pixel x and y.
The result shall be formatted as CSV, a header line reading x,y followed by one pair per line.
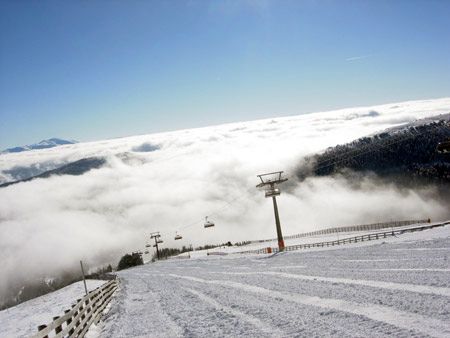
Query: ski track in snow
x,y
422,249
292,267
376,312
371,291
375,284
267,330
424,270
377,260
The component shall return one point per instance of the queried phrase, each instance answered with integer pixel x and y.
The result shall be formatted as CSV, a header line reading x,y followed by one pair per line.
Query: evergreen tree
x,y
128,261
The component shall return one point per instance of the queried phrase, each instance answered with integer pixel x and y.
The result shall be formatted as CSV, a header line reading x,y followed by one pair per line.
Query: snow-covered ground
x,y
397,287
22,320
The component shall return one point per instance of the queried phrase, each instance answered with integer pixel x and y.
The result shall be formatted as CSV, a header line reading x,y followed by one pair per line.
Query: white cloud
x,y
357,58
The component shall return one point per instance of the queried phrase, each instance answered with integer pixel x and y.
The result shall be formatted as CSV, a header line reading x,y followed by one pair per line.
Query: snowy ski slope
x,y
398,287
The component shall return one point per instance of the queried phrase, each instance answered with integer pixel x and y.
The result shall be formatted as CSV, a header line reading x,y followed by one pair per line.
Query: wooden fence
x,y
360,227
76,321
347,240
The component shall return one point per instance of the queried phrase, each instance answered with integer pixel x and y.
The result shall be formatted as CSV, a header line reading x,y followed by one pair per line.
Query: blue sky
x,y
90,70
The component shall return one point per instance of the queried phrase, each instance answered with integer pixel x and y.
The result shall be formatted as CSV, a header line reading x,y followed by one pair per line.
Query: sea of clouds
x,y
168,182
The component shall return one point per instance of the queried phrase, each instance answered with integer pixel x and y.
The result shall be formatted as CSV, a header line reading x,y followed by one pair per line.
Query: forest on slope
x,y
404,156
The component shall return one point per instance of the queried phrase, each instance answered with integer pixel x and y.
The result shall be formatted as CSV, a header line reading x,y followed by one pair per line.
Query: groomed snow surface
x,y
398,287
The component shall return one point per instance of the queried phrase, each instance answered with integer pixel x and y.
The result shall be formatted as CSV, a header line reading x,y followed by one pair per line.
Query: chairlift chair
x,y
147,245
160,241
147,252
208,224
443,147
178,237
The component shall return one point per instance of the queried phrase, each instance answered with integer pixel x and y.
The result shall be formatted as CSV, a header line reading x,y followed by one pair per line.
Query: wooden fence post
x,y
69,320
58,329
71,331
42,327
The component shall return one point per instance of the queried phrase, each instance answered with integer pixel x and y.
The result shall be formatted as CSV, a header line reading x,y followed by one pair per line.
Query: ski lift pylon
x,y
208,224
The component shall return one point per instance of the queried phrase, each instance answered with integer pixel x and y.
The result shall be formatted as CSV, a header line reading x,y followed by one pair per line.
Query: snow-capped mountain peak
x,y
49,143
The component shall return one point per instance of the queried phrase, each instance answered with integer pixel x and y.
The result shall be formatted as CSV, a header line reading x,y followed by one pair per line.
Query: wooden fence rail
x,y
76,321
347,240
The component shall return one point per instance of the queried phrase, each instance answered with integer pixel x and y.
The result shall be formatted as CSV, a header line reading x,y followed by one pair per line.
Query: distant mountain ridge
x,y
74,169
44,144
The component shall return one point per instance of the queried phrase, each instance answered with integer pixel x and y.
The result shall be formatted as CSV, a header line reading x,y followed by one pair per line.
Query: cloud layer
x,y
170,181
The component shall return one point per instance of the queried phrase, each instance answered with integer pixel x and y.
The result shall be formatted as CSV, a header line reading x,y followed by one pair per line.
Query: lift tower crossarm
x,y
271,182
